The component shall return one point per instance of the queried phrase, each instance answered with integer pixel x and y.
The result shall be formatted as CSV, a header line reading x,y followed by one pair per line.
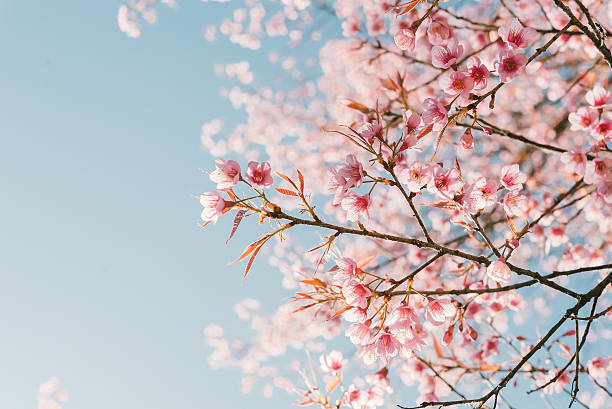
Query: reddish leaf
x,y
248,250
340,311
442,204
512,225
485,367
287,179
250,263
437,347
464,224
410,6
333,384
425,131
239,215
364,262
231,194
388,83
359,107
315,282
301,180
305,403
285,191
302,308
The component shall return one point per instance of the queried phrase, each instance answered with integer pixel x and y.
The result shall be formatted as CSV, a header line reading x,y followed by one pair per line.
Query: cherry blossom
x,y
259,174
498,271
352,171
598,97
405,40
434,112
438,311
517,36
510,64
478,72
226,174
332,362
417,196
213,205
446,56
512,178
457,83
356,206
416,176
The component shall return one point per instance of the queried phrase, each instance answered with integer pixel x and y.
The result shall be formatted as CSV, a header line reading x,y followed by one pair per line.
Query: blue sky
x,y
105,279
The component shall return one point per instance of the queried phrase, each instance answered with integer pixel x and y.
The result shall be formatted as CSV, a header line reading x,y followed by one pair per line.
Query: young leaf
x,y
250,263
237,219
333,384
301,180
315,282
285,191
249,249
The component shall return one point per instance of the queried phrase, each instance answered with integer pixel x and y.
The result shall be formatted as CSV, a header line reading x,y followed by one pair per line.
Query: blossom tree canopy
x,y
435,187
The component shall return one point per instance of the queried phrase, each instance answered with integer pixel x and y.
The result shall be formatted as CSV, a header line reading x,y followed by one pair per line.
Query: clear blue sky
x,y
105,279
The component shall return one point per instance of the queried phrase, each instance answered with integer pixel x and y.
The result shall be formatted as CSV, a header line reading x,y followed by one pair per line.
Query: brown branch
x,y
582,301
598,41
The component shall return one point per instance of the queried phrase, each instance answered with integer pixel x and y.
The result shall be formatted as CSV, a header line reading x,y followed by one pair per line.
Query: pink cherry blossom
x,y
517,36
600,367
512,178
598,97
259,174
457,83
446,183
499,271
415,176
226,174
598,171
337,185
555,387
370,131
434,112
412,121
345,269
446,56
510,64
387,346
405,40
359,334
478,72
332,362
356,294
439,32
515,204
213,205
575,161
356,205
438,311
603,130
583,118
352,171
481,195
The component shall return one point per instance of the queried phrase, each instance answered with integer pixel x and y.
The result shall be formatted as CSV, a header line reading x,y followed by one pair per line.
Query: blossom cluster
x,y
455,160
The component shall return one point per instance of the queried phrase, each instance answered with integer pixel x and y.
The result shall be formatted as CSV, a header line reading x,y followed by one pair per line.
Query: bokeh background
x,y
106,280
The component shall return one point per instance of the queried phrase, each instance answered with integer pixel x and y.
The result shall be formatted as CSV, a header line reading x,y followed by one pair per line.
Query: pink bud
x,y
448,335
473,333
467,140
